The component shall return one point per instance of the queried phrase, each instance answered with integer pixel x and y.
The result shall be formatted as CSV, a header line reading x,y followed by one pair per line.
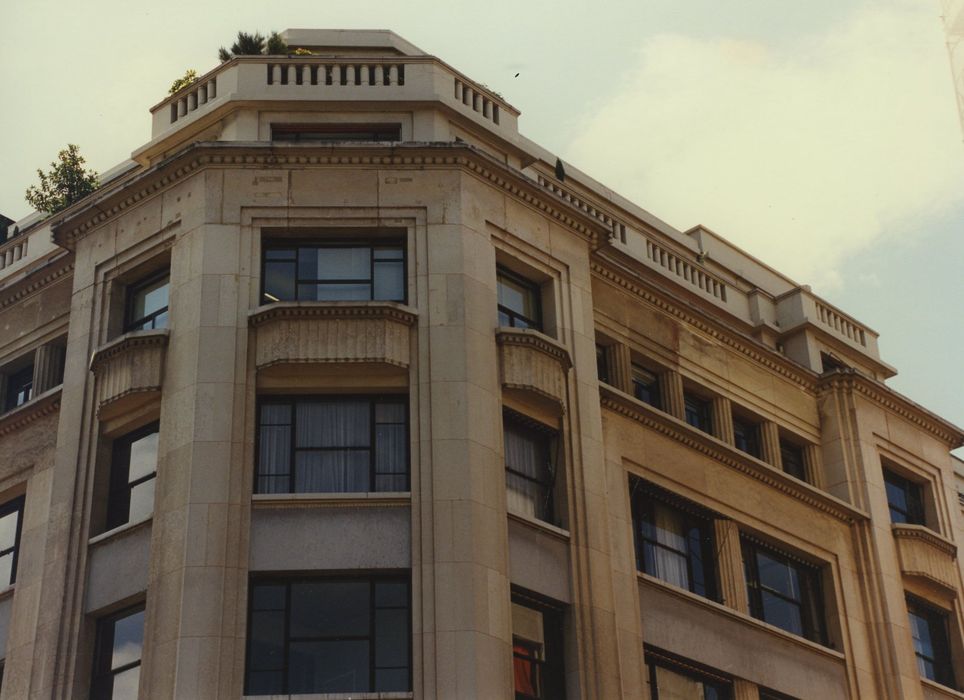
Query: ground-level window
x,y
117,655
538,668
329,635
674,678
928,626
530,469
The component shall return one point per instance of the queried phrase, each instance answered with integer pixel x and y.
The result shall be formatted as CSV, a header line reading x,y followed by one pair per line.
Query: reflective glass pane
x,y
391,594
896,496
142,501
159,321
386,412
391,446
354,291
669,527
279,254
517,297
125,684
149,299
274,484
921,631
268,597
389,282
6,569
330,609
328,667
334,264
778,576
265,682
279,281
143,460
781,613
391,637
8,530
389,680
128,637
275,414
389,254
332,471
333,424
267,640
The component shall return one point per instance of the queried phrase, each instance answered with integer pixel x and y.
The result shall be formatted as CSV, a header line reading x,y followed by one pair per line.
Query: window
x,y
529,466
336,132
11,522
338,444
646,386
793,460
117,655
674,539
928,626
519,301
746,437
147,303
132,471
19,388
904,499
344,635
537,650
697,412
602,365
783,591
333,272
673,678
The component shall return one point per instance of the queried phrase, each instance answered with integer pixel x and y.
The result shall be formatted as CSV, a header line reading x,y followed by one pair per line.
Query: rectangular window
x,y
602,365
333,133
904,498
746,437
697,412
337,444
673,678
646,386
132,471
11,522
783,591
674,539
329,635
117,655
520,304
793,461
928,626
19,388
333,272
529,466
147,303
538,670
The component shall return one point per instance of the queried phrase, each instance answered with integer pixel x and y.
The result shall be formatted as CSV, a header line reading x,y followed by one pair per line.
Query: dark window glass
x,y
352,444
678,679
529,467
11,522
333,273
538,668
746,437
697,412
519,301
147,304
331,133
19,388
792,458
602,365
928,626
329,636
117,656
673,543
646,386
132,471
783,591
904,499
767,694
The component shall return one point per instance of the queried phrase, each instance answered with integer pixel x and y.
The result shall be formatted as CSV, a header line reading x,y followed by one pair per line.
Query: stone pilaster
x,y
48,368
620,367
813,465
732,580
671,393
722,419
770,444
745,690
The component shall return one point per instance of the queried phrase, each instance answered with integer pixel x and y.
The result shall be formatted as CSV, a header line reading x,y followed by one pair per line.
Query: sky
x,y
822,137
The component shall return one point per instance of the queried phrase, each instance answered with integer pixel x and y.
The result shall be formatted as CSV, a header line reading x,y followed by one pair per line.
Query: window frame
x,y
528,285
14,505
813,622
103,650
702,408
373,401
551,667
551,436
602,363
937,620
16,382
638,378
915,513
371,244
749,431
119,484
132,324
800,460
288,581
655,658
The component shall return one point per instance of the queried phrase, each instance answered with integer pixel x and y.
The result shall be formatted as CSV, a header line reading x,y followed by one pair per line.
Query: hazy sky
x,y
821,136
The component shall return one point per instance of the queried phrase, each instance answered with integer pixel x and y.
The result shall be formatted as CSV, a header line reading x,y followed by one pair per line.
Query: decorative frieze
x,y
532,362
130,365
925,554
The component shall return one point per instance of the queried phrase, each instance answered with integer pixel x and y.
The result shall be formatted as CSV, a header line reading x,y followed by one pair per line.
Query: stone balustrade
x,y
925,554
13,250
331,332
129,370
193,96
532,362
801,307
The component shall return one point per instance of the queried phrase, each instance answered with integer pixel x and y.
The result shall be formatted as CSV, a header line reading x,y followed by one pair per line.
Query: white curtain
x,y
525,455
671,533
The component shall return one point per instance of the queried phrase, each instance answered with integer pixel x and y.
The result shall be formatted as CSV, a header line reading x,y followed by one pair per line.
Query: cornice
x,y
850,380
34,285
526,337
30,412
725,334
95,212
645,414
919,532
129,342
387,310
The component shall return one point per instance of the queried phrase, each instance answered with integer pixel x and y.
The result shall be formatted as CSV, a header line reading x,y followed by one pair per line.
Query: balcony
x,y
128,371
925,554
534,363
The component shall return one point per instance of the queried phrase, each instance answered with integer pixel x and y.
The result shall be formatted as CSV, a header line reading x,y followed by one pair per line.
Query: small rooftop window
x,y
333,133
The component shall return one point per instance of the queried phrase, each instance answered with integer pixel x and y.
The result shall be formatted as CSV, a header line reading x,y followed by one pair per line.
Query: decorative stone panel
x,y
925,554
533,362
325,332
130,366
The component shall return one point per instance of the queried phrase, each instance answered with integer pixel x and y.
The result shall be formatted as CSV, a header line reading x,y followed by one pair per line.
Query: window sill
x,y
740,617
335,696
940,688
331,500
120,531
7,593
24,414
536,524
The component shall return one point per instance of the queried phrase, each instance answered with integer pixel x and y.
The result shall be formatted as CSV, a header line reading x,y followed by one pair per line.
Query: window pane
x,y
333,424
8,530
125,684
275,414
923,644
143,460
330,609
274,484
391,638
335,292
268,597
781,613
778,576
280,254
128,637
266,650
389,282
389,254
265,682
896,496
328,667
676,686
391,595
525,453
142,501
389,680
149,299
517,297
334,264
330,471
6,569
391,447
274,450
279,281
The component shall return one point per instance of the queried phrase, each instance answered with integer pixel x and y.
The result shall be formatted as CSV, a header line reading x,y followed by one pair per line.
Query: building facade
x,y
341,387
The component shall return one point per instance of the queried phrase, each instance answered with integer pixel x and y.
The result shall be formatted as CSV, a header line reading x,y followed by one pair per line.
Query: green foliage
x,y
254,45
302,52
66,183
189,77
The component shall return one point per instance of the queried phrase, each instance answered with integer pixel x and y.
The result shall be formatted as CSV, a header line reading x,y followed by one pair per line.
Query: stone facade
x,y
667,368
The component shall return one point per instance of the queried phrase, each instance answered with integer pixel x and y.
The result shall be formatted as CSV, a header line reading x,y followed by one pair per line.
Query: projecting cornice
x,y
35,281
30,412
96,210
850,380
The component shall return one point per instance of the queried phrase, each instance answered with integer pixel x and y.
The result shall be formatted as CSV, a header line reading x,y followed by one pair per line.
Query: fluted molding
x,y
530,361
131,364
925,554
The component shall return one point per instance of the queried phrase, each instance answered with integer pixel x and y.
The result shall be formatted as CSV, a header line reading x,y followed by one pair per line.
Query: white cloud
x,y
804,152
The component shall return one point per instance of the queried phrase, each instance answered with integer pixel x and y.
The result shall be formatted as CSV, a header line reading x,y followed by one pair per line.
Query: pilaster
x,y
722,419
770,444
733,590
620,366
671,393
48,365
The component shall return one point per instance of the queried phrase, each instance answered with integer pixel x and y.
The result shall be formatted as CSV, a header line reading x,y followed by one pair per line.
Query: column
x,y
620,367
732,580
813,465
671,393
48,364
770,444
722,419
